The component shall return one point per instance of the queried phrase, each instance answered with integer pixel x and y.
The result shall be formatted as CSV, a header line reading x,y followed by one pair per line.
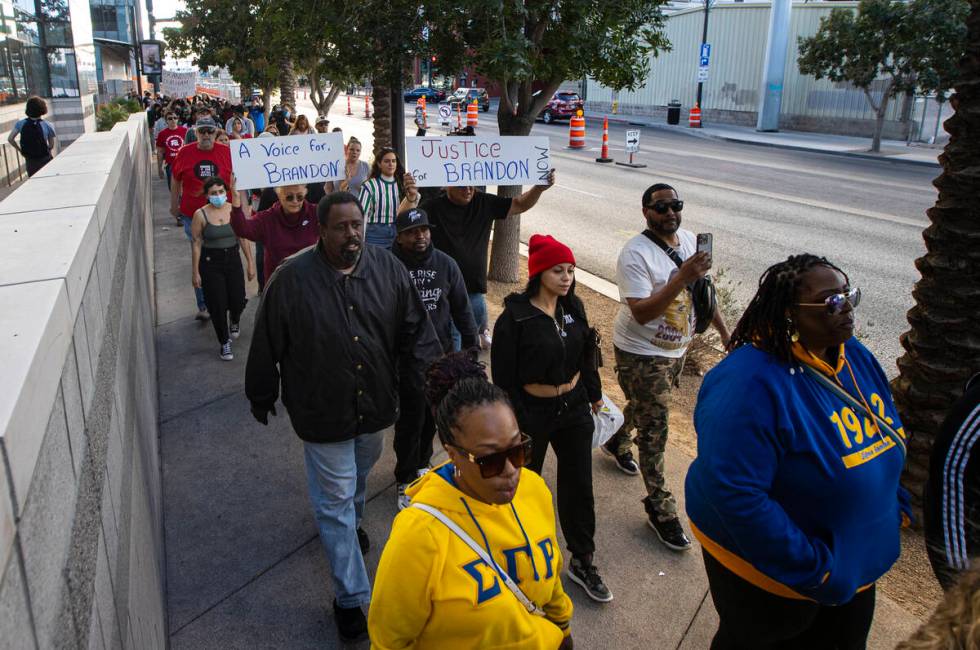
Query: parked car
x,y
467,95
430,94
562,106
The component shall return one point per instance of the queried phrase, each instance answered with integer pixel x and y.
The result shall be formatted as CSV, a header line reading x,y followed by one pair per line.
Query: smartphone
x,y
704,243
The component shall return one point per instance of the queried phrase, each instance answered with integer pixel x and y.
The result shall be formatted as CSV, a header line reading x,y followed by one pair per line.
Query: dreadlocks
x,y
766,322
454,383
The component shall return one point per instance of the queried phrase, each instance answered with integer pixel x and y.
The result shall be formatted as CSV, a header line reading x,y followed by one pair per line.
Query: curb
x,y
696,133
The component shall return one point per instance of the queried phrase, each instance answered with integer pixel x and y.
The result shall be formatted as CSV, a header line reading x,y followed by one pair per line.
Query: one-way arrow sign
x,y
632,141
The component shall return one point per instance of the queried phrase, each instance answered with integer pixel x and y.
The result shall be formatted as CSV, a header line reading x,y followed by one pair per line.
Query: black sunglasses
x,y
206,130
295,197
835,303
660,207
493,464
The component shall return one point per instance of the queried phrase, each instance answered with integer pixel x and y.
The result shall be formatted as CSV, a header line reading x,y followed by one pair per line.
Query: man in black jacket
x,y
441,288
339,323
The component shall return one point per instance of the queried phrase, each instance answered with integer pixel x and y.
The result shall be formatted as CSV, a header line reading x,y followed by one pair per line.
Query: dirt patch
x,y
910,582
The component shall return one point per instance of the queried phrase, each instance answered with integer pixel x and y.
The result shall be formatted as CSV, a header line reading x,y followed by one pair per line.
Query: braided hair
x,y
766,322
454,384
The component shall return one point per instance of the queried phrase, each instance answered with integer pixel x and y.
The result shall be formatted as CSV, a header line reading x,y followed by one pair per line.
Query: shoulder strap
x,y
826,382
529,605
671,253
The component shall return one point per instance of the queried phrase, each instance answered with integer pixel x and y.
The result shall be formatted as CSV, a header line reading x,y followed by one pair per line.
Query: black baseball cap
x,y
409,219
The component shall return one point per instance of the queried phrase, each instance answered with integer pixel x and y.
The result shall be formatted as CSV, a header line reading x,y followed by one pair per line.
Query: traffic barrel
x,y
694,119
348,106
604,156
472,114
576,132
367,107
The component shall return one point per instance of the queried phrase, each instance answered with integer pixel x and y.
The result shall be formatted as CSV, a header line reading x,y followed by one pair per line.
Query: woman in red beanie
x,y
546,357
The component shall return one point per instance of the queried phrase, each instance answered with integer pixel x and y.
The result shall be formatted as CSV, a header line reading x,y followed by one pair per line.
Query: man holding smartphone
x,y
653,329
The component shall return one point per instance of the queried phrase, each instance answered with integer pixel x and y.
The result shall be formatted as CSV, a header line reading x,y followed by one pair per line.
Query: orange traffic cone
x,y
348,106
576,132
694,119
472,114
604,156
459,116
367,107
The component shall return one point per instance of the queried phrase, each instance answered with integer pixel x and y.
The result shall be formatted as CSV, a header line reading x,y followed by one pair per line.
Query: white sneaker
x,y
403,499
422,472
225,353
485,340
235,330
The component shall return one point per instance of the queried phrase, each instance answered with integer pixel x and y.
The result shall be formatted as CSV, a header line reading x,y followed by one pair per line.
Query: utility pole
x,y
774,67
153,37
704,39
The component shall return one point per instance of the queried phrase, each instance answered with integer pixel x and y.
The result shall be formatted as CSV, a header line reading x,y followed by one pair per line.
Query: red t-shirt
x,y
192,166
171,140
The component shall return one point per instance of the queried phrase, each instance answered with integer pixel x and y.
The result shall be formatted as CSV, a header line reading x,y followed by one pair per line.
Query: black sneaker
x,y
351,623
587,577
624,462
670,532
363,541
235,330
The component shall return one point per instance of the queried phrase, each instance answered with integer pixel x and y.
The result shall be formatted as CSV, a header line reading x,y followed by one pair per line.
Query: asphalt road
x,y
761,204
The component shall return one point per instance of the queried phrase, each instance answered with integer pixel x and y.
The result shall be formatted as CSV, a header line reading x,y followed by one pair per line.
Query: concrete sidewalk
x,y
891,150
245,568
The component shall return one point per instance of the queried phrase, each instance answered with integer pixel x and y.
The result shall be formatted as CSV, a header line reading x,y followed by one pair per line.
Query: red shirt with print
x,y
192,166
171,140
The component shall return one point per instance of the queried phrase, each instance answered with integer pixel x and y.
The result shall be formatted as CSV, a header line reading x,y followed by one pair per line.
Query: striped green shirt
x,y
379,200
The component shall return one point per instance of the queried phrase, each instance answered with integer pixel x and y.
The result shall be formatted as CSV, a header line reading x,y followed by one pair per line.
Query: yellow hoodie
x,y
433,591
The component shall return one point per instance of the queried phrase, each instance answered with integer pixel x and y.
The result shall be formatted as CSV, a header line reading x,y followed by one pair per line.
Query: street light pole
x,y
704,39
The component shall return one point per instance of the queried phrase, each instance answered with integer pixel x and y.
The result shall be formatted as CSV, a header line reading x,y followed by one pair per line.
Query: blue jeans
x,y
336,475
166,169
478,303
380,234
198,292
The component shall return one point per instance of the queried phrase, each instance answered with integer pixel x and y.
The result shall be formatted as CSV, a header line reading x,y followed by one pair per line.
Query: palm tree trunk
x,y
942,348
381,98
287,83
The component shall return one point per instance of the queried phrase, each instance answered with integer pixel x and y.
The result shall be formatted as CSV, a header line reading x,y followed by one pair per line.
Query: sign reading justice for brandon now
x,y
454,161
287,160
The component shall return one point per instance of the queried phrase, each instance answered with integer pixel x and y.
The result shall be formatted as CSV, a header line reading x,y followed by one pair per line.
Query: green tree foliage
x,y
888,47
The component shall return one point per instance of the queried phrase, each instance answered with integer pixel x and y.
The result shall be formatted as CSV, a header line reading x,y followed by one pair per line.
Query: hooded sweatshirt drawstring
x,y
486,543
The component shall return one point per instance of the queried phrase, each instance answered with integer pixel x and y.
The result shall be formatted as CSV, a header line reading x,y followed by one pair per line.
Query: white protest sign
x,y
179,84
459,161
287,160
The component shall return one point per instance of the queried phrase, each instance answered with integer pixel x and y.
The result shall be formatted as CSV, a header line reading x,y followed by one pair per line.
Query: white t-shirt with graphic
x,y
643,268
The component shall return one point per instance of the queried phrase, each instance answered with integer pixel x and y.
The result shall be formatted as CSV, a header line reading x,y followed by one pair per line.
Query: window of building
x,y
64,76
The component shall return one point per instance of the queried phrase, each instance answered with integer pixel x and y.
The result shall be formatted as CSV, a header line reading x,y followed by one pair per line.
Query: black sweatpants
x,y
223,282
34,165
752,618
414,431
566,424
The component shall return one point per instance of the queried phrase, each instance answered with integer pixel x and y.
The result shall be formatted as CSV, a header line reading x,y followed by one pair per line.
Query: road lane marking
x,y
572,189
857,212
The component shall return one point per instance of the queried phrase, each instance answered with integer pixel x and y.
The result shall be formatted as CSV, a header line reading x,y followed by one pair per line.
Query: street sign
x,y
445,112
632,141
702,73
704,62
705,50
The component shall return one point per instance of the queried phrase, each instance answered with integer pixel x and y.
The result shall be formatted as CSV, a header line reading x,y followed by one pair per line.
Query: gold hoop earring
x,y
794,335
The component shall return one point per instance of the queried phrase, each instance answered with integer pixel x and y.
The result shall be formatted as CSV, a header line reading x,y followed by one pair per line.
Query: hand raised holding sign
x,y
411,191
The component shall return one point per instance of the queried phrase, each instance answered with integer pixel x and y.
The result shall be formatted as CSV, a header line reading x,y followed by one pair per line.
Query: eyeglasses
x,y
835,303
205,130
661,207
493,465
171,118
295,198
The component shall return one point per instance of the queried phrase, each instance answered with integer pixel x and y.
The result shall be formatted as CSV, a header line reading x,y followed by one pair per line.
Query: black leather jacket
x,y
338,343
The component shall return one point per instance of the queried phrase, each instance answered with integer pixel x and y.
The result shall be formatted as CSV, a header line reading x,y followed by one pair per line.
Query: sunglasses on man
x,y
205,130
492,465
661,207
295,198
834,304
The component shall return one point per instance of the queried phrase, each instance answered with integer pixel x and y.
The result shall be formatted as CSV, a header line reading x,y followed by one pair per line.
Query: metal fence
x,y
13,165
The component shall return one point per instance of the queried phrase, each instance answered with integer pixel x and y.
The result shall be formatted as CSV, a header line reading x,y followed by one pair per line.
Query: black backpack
x,y
702,290
33,144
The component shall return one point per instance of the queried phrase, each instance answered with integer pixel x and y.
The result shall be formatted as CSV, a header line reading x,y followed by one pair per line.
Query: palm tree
x,y
287,83
942,348
381,98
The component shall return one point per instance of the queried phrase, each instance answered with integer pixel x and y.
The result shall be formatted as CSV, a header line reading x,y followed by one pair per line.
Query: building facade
x,y
117,28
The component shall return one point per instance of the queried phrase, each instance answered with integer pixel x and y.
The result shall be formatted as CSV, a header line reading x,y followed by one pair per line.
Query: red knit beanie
x,y
544,252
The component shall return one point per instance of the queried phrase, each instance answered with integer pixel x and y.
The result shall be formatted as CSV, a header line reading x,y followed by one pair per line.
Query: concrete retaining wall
x,y
81,536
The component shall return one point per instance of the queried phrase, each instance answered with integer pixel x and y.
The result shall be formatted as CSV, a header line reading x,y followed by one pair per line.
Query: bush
x,y
118,110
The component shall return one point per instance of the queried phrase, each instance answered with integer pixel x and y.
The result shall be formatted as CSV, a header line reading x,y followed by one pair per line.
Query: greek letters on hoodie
x,y
793,489
434,591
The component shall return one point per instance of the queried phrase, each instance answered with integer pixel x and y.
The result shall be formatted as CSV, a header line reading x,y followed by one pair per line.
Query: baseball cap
x,y
207,120
409,219
320,119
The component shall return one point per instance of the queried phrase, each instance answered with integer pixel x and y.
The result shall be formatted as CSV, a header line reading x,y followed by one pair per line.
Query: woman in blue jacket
x,y
795,493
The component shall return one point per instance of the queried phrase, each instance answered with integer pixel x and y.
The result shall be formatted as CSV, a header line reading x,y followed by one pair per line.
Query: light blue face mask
x,y
217,200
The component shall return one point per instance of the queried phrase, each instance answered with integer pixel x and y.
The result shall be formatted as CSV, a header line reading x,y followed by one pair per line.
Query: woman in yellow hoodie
x,y
433,590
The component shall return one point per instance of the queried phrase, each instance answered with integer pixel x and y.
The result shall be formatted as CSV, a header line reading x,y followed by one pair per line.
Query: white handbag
x,y
607,422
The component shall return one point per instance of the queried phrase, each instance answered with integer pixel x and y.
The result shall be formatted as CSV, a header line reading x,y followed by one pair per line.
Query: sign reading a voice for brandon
x,y
457,161
287,160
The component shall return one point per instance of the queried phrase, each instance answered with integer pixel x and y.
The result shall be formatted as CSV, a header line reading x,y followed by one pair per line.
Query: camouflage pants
x,y
647,383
